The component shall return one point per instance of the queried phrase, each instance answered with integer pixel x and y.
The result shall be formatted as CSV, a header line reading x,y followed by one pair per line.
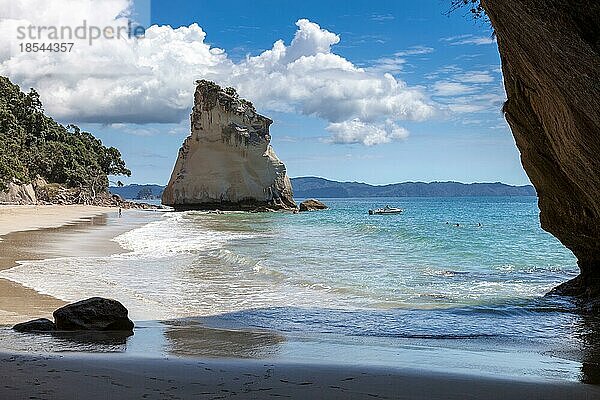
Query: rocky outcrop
x,y
16,193
550,52
312,205
227,162
53,193
40,192
94,314
37,325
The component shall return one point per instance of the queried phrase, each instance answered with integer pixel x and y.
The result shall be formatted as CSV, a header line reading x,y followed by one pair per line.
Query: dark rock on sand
x,y
312,205
37,325
550,53
95,314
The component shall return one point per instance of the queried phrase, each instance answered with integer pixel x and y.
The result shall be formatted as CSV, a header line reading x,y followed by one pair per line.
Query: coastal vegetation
x,y
33,145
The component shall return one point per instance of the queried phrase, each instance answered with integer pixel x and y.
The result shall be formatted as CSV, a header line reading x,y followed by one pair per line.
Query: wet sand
x,y
42,232
101,377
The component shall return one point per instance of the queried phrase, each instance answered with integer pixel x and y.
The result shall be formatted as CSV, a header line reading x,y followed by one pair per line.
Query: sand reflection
x,y
188,338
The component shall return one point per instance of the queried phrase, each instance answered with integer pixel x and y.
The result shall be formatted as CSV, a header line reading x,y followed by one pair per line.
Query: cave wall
x,y
550,53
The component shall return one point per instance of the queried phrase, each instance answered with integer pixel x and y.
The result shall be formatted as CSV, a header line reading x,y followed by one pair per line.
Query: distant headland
x,y
305,187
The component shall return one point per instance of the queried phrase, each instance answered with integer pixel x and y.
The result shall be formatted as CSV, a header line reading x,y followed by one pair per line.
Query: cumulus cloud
x,y
356,131
152,79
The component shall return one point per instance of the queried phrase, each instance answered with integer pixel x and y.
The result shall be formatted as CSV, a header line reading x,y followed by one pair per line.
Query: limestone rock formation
x,y
312,205
227,162
93,314
550,53
16,193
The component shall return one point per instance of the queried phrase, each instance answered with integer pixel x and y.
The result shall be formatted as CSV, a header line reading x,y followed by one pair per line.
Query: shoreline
x,y
192,358
121,377
44,232
20,218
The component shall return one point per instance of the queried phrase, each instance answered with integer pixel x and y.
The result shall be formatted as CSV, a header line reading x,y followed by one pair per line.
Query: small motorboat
x,y
385,210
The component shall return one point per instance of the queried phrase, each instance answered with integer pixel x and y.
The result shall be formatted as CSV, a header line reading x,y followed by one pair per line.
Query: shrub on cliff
x,y
475,7
33,144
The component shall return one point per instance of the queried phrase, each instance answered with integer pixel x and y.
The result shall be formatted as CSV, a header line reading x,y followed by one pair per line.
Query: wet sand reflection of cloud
x,y
189,338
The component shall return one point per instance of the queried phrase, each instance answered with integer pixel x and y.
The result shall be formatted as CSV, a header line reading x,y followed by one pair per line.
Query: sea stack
x,y
227,162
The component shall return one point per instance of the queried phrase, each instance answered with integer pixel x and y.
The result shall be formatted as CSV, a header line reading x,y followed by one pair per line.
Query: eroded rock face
x,y
550,51
227,162
18,194
93,314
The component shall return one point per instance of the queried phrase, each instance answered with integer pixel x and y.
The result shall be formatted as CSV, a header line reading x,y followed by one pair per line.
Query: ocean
x,y
451,283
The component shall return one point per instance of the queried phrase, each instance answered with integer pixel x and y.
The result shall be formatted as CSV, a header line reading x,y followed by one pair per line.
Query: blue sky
x,y
448,63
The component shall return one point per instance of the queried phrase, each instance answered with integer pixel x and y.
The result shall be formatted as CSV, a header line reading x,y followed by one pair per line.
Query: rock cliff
x,y
16,193
227,162
550,52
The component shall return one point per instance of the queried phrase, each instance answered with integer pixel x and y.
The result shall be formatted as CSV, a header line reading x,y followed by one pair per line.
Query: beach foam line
x,y
150,278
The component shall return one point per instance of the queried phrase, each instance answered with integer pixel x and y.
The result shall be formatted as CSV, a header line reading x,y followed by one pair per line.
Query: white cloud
x,y
382,17
475,40
415,50
356,131
152,79
469,39
454,38
475,77
477,102
391,65
395,63
465,108
447,88
466,92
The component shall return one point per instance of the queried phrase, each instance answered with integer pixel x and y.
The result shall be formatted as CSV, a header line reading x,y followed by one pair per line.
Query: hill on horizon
x,y
138,192
305,187
320,187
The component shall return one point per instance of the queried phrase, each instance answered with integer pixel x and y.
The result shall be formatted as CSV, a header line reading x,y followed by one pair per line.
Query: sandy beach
x,y
41,232
27,218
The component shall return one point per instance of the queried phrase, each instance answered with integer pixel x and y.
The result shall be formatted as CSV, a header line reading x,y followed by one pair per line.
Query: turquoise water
x,y
337,278
419,259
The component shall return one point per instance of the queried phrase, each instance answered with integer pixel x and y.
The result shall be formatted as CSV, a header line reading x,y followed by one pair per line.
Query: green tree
x,y
33,144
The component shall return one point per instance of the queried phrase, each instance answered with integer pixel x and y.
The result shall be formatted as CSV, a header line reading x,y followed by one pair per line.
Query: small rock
x,y
94,314
37,325
312,205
